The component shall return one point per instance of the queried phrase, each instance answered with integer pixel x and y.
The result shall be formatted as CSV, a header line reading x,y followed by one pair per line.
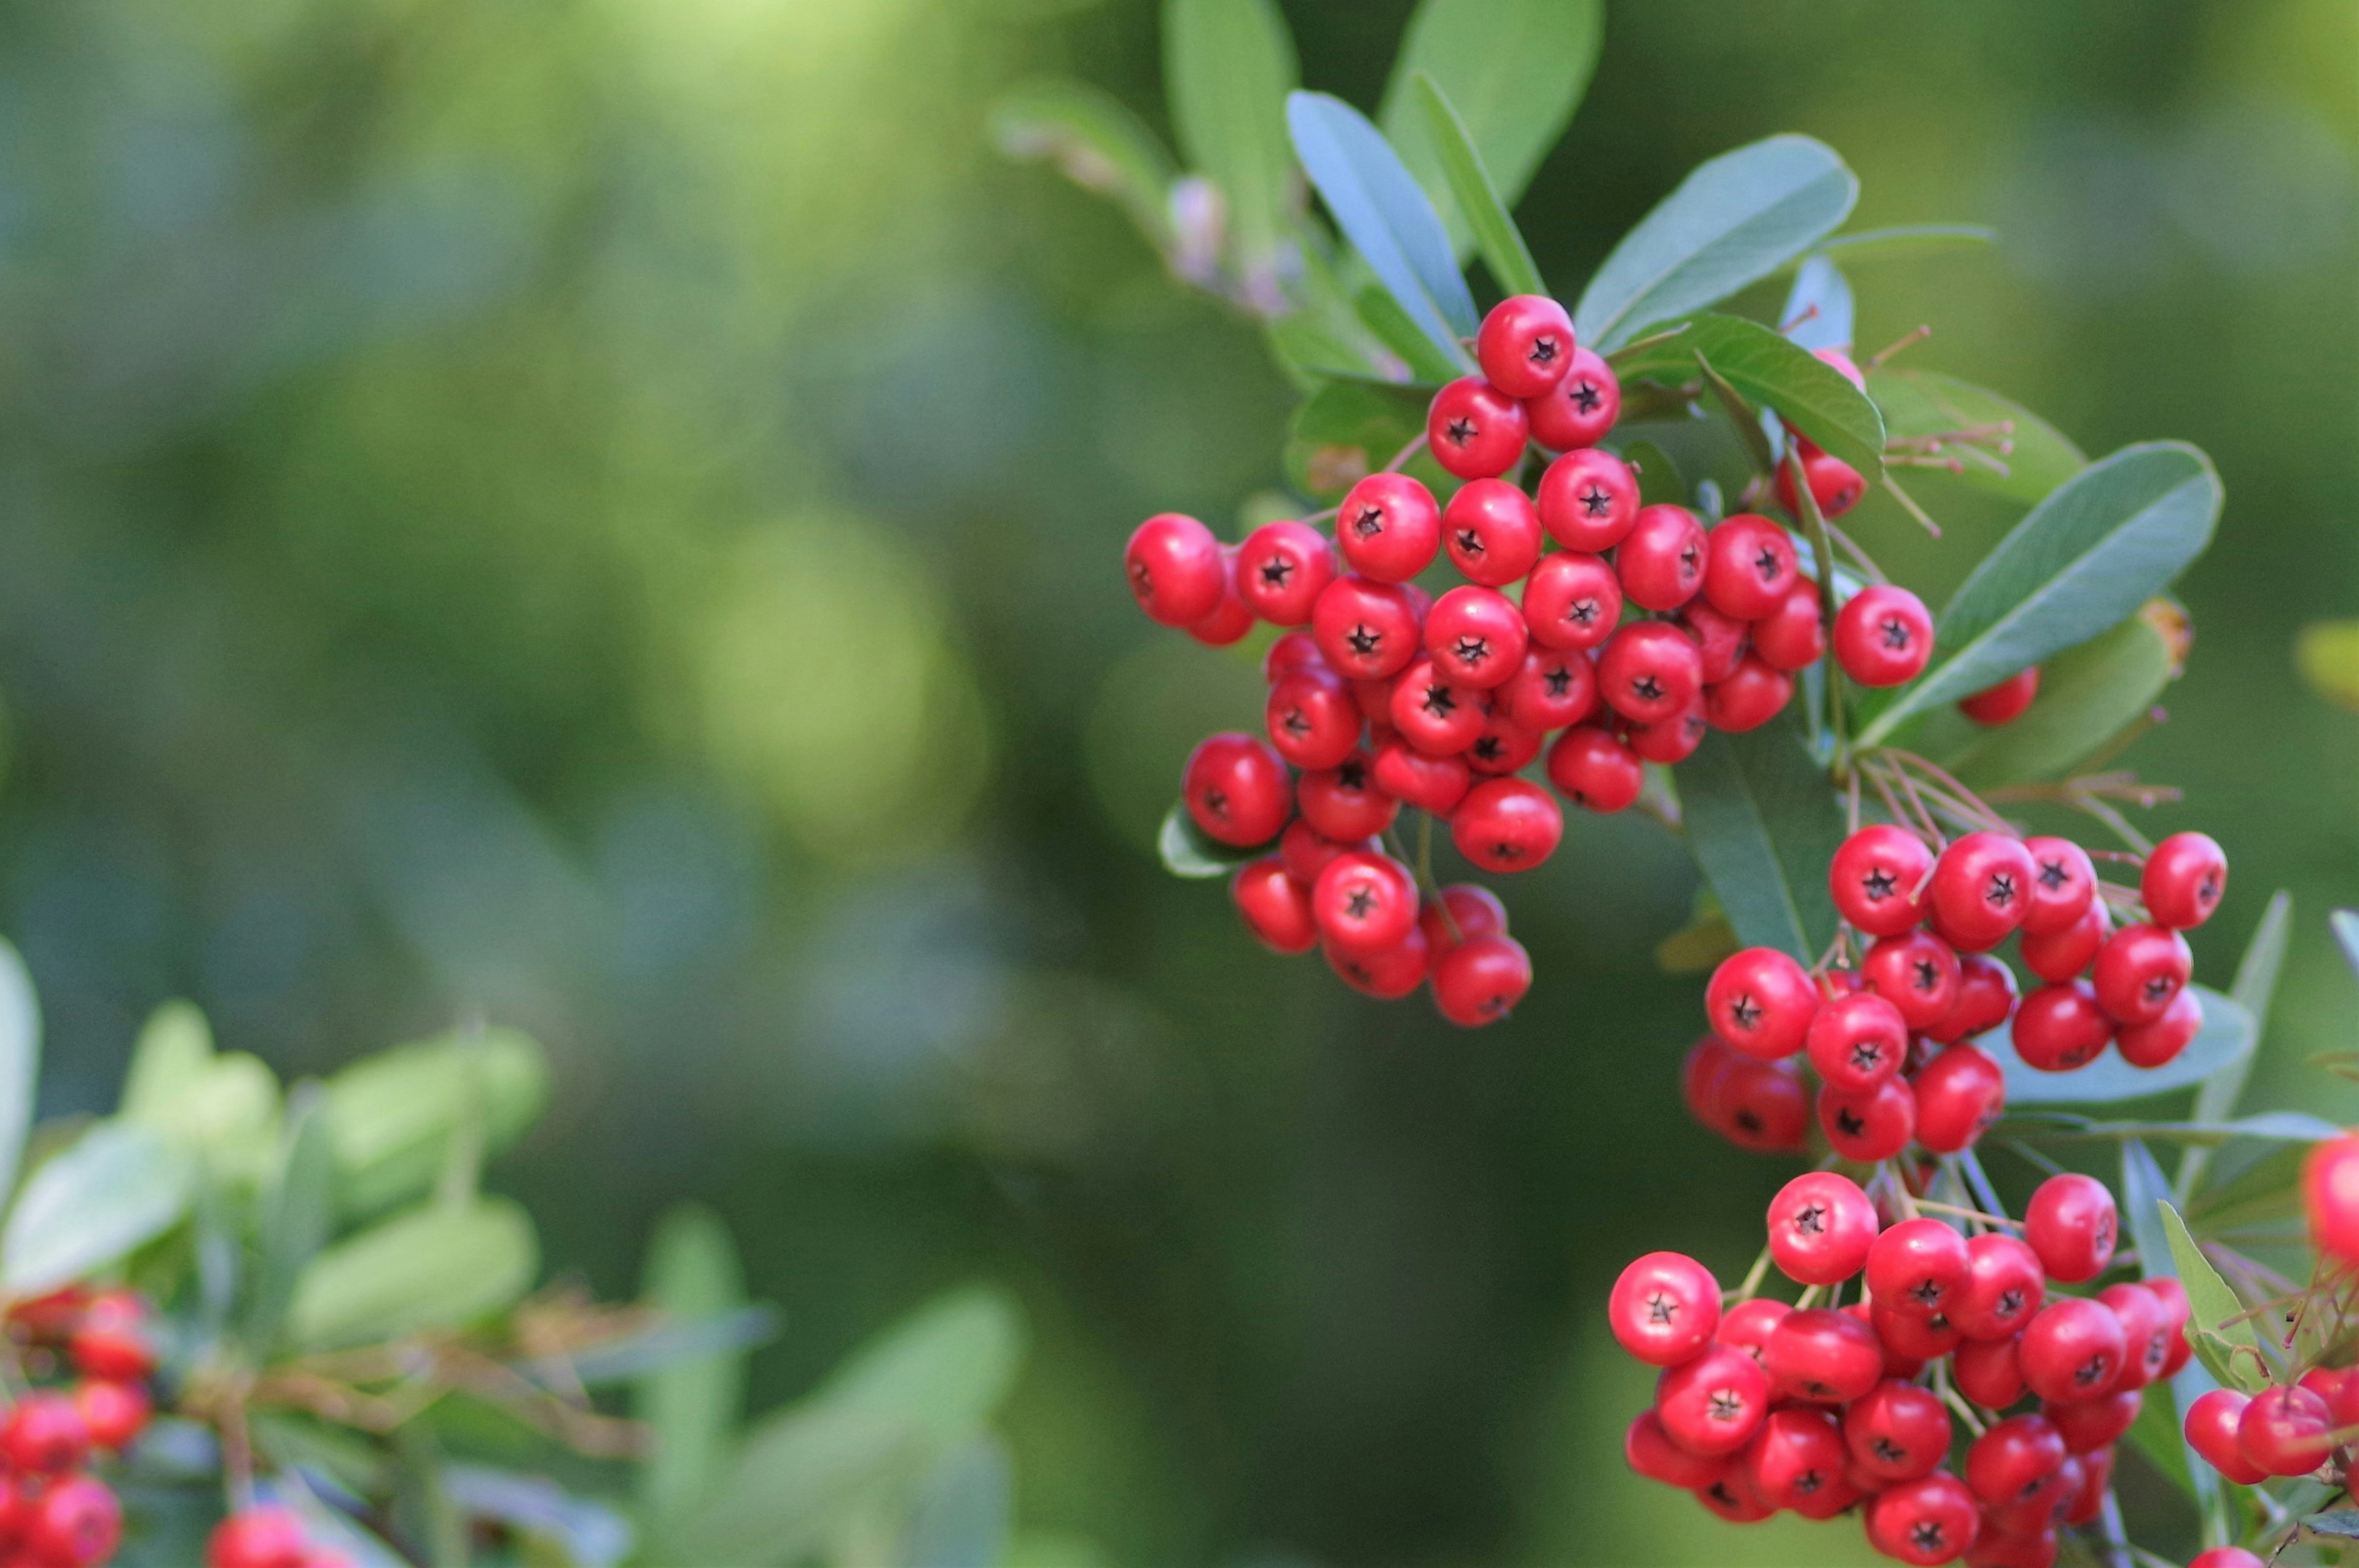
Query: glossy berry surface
x,y
1959,1094
1713,1402
2330,1184
1431,783
2016,1460
2212,1428
1579,410
1481,980
1821,1226
1276,909
1749,568
1474,430
1388,528
1930,1520
2139,970
1986,998
1281,569
1173,563
1438,716
257,1538
1883,636
2004,1287
76,1522
1553,690
1571,600
1898,1432
1366,630
1237,790
2004,703
1662,560
1311,720
2283,1430
1649,671
1793,635
2064,885
1981,887
1822,1356
44,1435
1761,1003
1875,878
1856,1042
1525,345
2060,1027
2072,1349
1917,1267
1506,824
1491,532
1594,771
1588,500
1475,637
1364,902
2185,881
1871,1126
1916,972
2071,1223
1752,695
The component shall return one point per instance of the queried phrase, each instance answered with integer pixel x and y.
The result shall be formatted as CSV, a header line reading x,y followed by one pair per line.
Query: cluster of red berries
x,y
1890,1041
53,1512
1822,1409
268,1536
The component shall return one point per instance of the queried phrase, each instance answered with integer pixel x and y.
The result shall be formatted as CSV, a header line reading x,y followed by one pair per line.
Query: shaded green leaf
x,y
1921,404
118,1187
438,1266
1381,316
1770,372
1658,475
2342,1524
1094,141
1734,220
2345,924
2158,1429
1817,312
1348,429
1187,852
1763,822
2106,541
747,1328
693,1406
964,1509
2265,1192
2212,1304
2088,695
1496,238
1227,66
2225,1038
2327,655
2276,1126
20,1063
1323,335
393,1114
1696,947
1385,215
2255,985
1515,68
299,1211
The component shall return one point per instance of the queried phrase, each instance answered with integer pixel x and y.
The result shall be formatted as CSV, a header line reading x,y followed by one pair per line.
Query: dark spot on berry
x,y
2010,1301
1662,1307
1595,502
1690,561
1470,541
1294,723
1879,885
1850,1123
1544,351
2001,891
1216,801
1503,850
1889,1451
1896,634
1926,1293
1647,688
1725,1404
1808,1482
2053,874
1767,563
1490,747
1865,1055
1369,522
1811,1220
1460,430
1142,579
1365,640
1926,1535
1748,1119
2096,1369
1438,699
1928,976
2158,988
1360,903
1582,612
1352,774
1276,570
1471,650
1744,1012
1587,396
1559,680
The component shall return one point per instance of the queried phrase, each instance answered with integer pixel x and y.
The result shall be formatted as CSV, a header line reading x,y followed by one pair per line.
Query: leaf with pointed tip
x,y
299,1211
2212,1304
1348,429
1227,68
1474,200
1763,822
693,1406
1658,475
1768,371
2227,1037
435,1266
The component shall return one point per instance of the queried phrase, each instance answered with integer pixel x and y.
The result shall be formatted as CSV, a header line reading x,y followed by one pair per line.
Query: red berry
x,y
1706,1060
1579,410
1874,876
1481,980
2330,1180
2087,1425
1836,485
1761,1003
1917,1267
1985,999
1920,1339
1366,629
1594,769
1525,345
1897,1364
2064,885
2139,970
1916,972
1385,973
1749,1324
1364,903
1281,569
2226,1557
2002,703
1388,528
1672,739
1293,650
1277,908
1554,688
1898,1432
1502,746
1871,1126
2060,1027
1792,636
1476,637
1749,568
112,1339
1475,430
1981,887
2003,1286
1664,1308
1883,636
1588,500
1342,802
1760,1106
1306,850
1174,564
1649,671
1857,1041
1796,1457
2016,1461
115,1413
1232,618
2072,1224
1959,1094
2064,956
44,1435
1662,560
2173,1297
1718,639
76,1523
257,1537
1822,1356
1571,600
1312,719
1491,532
1749,698
1987,1372
2072,1349
2183,881
1434,784
2213,1423
1732,1499
2283,1432
1649,1450
1237,790
1437,715
1462,912
1821,1228
1995,1549
1927,1520
1506,824
2152,1045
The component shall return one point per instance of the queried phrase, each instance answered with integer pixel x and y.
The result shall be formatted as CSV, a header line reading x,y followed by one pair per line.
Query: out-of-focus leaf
x,y
963,1508
1693,949
2212,1306
1323,335
2274,1126
20,1063
2266,1191
2226,1038
2086,558
2159,1430
693,1406
393,1114
299,1211
2255,985
2345,923
1187,852
747,1328
167,1062
1735,218
1348,429
1763,822
1918,403
1094,141
2327,652
1228,66
1658,475
590,1533
1771,372
1904,241
1818,313
1385,320
2088,695
1385,215
2341,1523
1515,68
438,1266
119,1188
224,1105
1472,196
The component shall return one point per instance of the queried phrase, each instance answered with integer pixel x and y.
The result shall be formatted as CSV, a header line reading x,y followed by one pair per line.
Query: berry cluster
x,y
53,1512
1822,1409
1890,1041
267,1537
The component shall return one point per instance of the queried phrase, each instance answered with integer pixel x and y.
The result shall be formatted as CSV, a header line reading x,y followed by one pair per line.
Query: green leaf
x,y
1918,403
1094,141
1496,238
693,1406
1228,66
2158,1431
1385,215
20,1063
1763,822
1517,68
2345,924
2088,695
1734,220
614,1361
1771,372
2256,983
395,1114
2342,1524
1323,335
1382,316
2266,1191
1187,852
2109,539
118,1187
299,1211
964,1508
2274,1126
1348,429
1658,475
2327,653
946,1367
1904,243
1817,312
581,1532
2226,1038
167,1063
2211,1304
436,1266
1697,946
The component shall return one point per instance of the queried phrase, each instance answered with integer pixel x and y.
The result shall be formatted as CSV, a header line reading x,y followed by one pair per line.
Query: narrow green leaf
x,y
2088,695
2212,1304
1517,68
436,1266
1384,320
2345,923
1385,215
298,1209
2158,1431
1496,238
2255,984
1763,822
693,1406
616,1361
2106,541
120,1186
1920,405
1905,241
1734,220
2341,1523
1228,66
395,1113
2274,1126
2225,1038
946,1367
1187,852
20,1063
1817,312
1771,372
1094,141
167,1063
1322,334
1659,477
2266,1192
964,1508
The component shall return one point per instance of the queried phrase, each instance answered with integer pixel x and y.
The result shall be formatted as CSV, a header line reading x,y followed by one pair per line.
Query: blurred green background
x,y
604,514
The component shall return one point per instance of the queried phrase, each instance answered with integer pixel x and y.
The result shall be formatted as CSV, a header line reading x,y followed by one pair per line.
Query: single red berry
x,y
1649,1449
1476,636
2213,1421
2173,1297
2183,881
1462,912
2071,1224
1579,410
1229,619
1588,500
1664,1308
1343,801
1673,740
1917,1267
1831,1501
2004,1287
2283,1432
2063,886
1281,570
1502,746
2072,1349
1857,1041
1987,1372
1237,790
1293,650
1871,1126
1916,972
1761,1001
1437,715
1594,769
2060,1027
1481,980
1821,1228
1918,1338
44,1435
115,1413
1434,784
1981,887
2016,1460
1761,1106
1748,1324
2226,1557
2064,956
111,1340
1874,876
1388,528
2088,1425
257,1538
1883,636
1554,688
1700,1073
1895,1363
1366,629
1718,639
1364,902
1959,1095
1571,600
2330,1183
1525,345
1749,568
1898,1432
1732,1496
1836,485
2139,971
1475,430
1927,1520
1174,565
1793,635
1995,1549
1662,560
1751,697
2004,703
1506,824
1306,850
75,1523
1796,1458
1649,671
1312,719
1387,974
1277,908
1822,1356
1491,532
1985,999
2152,1045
